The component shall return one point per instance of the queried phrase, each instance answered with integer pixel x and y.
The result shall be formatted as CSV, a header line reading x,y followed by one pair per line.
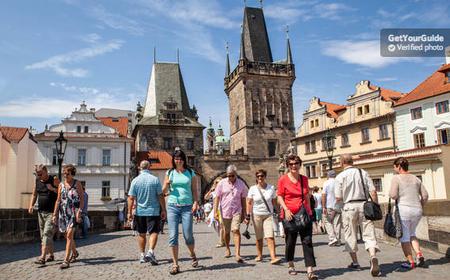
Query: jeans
x,y
175,214
85,226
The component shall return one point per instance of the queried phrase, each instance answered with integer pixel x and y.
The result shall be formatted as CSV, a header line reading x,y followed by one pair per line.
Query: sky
x,y
56,53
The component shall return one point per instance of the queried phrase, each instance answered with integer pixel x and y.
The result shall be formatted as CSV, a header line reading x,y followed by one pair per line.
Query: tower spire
x,y
178,55
242,50
227,71
288,47
154,55
261,3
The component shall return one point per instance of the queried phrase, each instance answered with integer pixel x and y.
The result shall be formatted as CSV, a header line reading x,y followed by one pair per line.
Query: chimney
x,y
447,55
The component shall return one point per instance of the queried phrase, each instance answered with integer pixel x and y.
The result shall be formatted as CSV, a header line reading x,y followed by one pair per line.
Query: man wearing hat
x,y
331,211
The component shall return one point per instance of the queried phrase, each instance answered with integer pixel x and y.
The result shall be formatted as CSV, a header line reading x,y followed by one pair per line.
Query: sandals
x,y
275,261
194,261
258,259
218,245
50,258
312,276
74,257
64,265
239,260
292,271
175,269
40,261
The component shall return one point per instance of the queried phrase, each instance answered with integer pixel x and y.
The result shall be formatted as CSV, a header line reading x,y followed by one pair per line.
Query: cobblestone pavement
x,y
114,256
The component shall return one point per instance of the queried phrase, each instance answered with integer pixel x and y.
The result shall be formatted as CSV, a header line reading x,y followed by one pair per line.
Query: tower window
x,y
236,123
272,148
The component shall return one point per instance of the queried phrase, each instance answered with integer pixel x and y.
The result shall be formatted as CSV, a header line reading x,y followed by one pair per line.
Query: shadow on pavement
x,y
12,253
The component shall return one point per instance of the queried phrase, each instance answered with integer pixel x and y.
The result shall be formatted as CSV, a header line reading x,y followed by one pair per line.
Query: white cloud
x,y
364,53
58,63
386,79
116,21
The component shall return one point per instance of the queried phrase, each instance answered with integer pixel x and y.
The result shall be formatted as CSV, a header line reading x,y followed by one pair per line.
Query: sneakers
x,y
374,267
151,257
408,265
143,258
420,260
354,266
333,242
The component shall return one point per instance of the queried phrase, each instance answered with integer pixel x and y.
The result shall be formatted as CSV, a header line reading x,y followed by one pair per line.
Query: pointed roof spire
x,y
261,3
242,49
178,55
288,48
227,70
245,3
154,55
255,44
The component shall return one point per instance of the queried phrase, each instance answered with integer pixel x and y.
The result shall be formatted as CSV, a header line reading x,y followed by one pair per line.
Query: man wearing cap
x,y
331,211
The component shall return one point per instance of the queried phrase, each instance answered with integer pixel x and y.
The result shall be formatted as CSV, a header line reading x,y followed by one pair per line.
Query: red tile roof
x,y
387,94
13,134
120,124
434,85
159,160
332,108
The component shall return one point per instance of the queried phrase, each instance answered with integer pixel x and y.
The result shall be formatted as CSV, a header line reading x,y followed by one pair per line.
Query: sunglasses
x,y
260,176
231,176
294,163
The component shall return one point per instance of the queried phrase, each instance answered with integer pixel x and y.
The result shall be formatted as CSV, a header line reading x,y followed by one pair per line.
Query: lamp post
x,y
61,144
328,142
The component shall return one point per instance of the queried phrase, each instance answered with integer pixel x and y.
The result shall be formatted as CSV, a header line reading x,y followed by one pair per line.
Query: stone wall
x,y
433,230
17,226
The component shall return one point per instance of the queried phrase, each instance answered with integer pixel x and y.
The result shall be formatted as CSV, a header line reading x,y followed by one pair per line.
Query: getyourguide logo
x,y
420,38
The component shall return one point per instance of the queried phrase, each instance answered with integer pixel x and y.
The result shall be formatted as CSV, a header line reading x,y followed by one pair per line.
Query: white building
x,y
423,116
100,154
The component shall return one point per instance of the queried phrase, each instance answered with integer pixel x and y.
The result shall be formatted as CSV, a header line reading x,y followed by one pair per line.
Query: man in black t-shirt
x,y
46,194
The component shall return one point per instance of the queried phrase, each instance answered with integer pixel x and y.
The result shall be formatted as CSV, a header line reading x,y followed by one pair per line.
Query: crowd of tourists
x,y
348,202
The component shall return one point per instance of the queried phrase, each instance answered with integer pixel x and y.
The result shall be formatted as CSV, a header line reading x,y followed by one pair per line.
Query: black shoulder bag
x,y
392,224
372,210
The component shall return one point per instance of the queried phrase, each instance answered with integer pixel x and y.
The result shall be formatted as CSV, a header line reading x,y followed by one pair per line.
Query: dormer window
x,y
447,75
416,113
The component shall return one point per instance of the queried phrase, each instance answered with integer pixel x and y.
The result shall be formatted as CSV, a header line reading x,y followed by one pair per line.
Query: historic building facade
x,y
259,92
364,126
99,152
167,121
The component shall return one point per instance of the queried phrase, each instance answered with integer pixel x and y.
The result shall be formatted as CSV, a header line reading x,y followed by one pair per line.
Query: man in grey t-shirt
x,y
331,213
349,189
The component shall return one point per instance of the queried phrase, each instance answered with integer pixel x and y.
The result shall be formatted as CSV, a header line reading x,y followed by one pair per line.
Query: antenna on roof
x,y
287,31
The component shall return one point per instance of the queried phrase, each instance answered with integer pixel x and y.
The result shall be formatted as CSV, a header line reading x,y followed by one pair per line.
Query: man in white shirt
x,y
331,213
352,187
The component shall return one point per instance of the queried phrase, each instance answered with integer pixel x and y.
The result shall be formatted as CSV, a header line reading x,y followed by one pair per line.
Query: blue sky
x,y
54,54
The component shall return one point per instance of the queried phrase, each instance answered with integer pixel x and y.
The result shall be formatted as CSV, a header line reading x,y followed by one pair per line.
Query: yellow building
x,y
364,126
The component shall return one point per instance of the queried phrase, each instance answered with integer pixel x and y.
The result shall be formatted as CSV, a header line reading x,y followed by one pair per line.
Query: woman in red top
x,y
291,199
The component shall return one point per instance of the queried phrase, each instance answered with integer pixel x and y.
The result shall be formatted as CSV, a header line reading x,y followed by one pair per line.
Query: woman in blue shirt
x,y
181,204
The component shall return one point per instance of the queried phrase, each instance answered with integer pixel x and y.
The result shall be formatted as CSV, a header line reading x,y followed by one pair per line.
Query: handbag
x,y
392,225
372,210
274,215
301,219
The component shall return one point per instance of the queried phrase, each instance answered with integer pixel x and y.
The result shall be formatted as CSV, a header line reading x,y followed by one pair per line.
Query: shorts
x,y
147,224
46,227
233,224
318,212
263,226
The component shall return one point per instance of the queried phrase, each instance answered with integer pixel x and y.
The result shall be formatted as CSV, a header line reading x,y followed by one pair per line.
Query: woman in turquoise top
x,y
181,204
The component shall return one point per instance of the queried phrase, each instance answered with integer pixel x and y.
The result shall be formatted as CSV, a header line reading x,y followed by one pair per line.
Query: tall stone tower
x,y
259,91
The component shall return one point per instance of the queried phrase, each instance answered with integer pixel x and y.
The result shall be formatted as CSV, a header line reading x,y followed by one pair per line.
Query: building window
x,y
310,171
442,107
419,140
54,157
272,148
190,144
324,169
366,109
378,184
86,129
79,129
359,111
384,133
316,123
81,157
365,135
106,189
416,113
443,135
310,146
344,140
311,123
167,143
106,157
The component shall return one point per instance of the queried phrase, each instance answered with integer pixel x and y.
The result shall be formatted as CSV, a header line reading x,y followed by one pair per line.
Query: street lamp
x,y
61,144
328,142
